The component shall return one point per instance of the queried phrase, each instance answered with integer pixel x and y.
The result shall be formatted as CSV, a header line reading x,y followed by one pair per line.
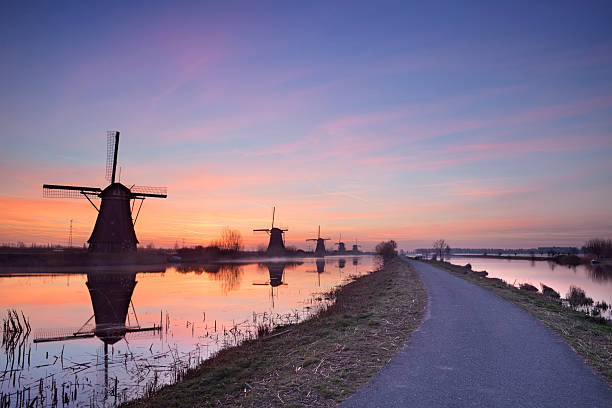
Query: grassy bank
x,y
588,336
318,362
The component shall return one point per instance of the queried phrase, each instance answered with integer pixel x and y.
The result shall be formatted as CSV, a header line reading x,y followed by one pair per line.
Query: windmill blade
x,y
61,191
112,146
261,230
273,212
149,191
311,239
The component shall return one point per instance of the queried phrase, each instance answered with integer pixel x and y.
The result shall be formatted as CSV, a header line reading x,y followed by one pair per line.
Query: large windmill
x,y
276,246
320,248
114,229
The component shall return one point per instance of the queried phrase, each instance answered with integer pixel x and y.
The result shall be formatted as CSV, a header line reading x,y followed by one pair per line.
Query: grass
x,y
319,362
591,337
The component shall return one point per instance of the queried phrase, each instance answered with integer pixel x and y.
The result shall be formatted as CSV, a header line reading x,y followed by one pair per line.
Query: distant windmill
x,y
341,246
355,247
276,246
320,249
114,228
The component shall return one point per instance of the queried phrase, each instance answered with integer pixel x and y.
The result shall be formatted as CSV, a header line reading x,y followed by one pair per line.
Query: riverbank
x,y
590,337
318,362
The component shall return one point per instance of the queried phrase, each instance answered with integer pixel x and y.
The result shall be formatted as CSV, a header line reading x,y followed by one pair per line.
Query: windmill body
x,y
320,248
114,229
276,245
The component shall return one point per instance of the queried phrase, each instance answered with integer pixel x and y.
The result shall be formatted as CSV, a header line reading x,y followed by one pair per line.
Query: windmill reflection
x,y
111,299
320,263
276,271
341,263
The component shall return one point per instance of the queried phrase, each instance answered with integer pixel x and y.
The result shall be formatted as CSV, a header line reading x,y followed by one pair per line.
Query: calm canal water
x,y
596,280
200,310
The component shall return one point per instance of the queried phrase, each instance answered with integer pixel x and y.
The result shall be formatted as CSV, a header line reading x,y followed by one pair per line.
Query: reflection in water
x,y
199,318
600,273
320,262
595,281
341,263
111,297
230,275
111,294
276,272
355,261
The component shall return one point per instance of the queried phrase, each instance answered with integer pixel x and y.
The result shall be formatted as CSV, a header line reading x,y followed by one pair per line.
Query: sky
x,y
488,124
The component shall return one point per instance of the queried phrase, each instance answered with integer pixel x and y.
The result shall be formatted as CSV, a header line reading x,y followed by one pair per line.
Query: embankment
x,y
318,362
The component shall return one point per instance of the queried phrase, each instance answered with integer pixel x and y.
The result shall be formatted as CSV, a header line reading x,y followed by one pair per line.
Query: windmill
x,y
341,246
355,247
114,228
320,249
276,246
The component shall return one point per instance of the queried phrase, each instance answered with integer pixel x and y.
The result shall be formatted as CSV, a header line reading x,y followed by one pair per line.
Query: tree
x,y
230,240
441,247
601,248
387,250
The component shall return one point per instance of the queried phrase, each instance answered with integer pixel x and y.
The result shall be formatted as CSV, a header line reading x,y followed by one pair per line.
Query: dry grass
x,y
319,362
591,337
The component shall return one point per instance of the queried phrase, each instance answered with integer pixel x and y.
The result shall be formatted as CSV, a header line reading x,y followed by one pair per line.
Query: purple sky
x,y
484,124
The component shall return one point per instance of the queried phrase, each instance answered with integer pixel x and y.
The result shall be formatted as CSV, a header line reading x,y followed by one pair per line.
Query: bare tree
x,y
441,247
231,240
601,248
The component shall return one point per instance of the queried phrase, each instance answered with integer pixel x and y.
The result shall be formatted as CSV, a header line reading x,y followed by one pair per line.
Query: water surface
x,y
596,280
194,310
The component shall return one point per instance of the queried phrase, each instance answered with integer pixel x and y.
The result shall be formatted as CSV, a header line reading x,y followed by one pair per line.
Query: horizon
x,y
487,125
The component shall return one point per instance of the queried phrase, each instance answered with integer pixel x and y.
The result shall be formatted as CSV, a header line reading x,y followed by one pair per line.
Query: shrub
x,y
602,305
576,297
528,288
468,266
549,292
387,250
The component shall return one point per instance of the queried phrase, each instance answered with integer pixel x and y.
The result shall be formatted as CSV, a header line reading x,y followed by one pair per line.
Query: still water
x,y
595,280
101,338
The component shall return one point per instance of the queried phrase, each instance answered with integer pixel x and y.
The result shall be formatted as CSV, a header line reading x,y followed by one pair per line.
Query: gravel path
x,y
475,349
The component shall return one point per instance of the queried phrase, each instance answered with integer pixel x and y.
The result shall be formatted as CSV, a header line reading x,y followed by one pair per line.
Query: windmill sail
x,y
61,191
148,191
112,146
